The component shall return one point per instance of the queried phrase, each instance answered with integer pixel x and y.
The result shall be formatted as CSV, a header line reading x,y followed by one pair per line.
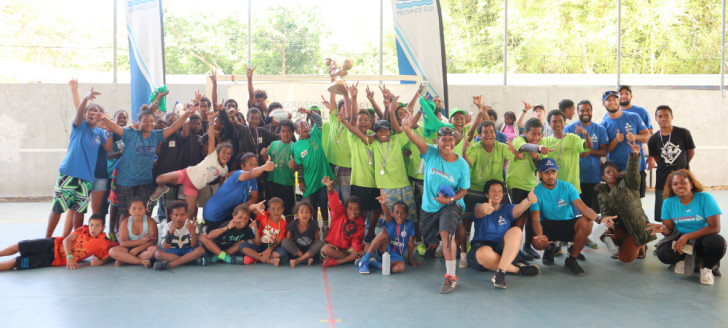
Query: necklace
x,y
279,153
664,149
385,159
253,140
558,160
480,177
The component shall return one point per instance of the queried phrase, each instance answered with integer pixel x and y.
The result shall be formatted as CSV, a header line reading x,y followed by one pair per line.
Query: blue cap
x,y
608,93
447,191
547,164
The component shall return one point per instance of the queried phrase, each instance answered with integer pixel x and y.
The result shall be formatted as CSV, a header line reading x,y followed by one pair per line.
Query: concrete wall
x,y
36,119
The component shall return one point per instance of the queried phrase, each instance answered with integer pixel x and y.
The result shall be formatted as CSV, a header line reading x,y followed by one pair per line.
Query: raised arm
x,y
154,106
415,97
393,115
519,121
523,206
375,106
81,109
73,83
385,209
251,92
258,171
213,82
421,145
178,124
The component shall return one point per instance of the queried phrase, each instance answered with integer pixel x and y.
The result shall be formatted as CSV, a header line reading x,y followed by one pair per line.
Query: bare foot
x,y
310,261
118,264
274,261
293,264
147,264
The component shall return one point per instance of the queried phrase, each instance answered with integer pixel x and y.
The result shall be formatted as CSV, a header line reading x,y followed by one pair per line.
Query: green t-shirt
x,y
521,173
487,166
280,154
395,173
326,126
338,151
566,154
310,154
413,161
362,162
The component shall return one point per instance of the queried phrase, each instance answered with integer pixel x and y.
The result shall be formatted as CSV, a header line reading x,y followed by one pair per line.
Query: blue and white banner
x,y
420,43
146,49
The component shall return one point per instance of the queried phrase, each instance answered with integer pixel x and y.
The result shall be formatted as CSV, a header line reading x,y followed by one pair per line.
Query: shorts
x,y
559,230
446,219
368,197
177,251
518,195
184,180
474,245
286,193
127,194
100,184
35,253
347,251
71,193
319,198
342,174
402,194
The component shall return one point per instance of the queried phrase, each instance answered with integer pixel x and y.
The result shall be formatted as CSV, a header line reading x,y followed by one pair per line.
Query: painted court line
x,y
329,305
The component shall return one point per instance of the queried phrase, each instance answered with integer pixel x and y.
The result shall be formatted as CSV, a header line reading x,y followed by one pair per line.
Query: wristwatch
x,y
598,219
452,200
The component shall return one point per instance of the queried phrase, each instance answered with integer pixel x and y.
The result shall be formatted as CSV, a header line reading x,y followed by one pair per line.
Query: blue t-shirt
x,y
626,122
399,235
83,151
494,226
643,114
439,172
136,163
555,204
590,166
693,216
232,193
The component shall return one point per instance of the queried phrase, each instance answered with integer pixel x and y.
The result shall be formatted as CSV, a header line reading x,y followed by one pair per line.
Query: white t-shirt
x,y
207,171
180,237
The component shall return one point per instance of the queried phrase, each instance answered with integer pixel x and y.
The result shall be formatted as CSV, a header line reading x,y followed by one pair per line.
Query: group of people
x,y
425,174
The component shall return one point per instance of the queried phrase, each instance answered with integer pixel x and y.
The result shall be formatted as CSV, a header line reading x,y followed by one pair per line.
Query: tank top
x,y
145,230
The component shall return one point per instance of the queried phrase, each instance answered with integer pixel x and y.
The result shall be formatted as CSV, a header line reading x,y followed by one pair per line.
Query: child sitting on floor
x,y
225,241
271,230
344,242
303,242
179,243
396,238
137,237
88,240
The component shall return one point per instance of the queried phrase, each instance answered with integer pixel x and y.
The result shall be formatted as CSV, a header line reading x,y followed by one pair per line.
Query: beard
x,y
624,103
613,110
585,119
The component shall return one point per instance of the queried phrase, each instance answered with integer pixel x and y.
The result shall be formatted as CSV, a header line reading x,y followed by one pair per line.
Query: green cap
x,y
457,110
314,107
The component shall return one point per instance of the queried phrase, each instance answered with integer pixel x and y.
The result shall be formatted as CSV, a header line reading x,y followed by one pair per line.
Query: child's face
x,y
160,124
304,214
286,134
399,213
179,215
383,135
533,135
240,219
148,122
137,209
352,210
303,130
92,115
254,120
171,119
95,227
362,122
249,164
487,134
275,210
225,154
195,126
458,121
121,119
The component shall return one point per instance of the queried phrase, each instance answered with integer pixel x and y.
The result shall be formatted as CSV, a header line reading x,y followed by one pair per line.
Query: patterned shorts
x,y
71,193
407,196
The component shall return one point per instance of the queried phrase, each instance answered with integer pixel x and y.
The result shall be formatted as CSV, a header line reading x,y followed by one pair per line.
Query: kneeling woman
x,y
620,196
689,217
496,240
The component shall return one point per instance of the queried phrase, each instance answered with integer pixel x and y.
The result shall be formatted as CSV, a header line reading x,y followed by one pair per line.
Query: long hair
x,y
668,192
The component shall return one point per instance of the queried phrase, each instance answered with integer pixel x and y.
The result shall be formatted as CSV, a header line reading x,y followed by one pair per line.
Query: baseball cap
x,y
457,110
608,93
314,107
447,191
547,164
382,124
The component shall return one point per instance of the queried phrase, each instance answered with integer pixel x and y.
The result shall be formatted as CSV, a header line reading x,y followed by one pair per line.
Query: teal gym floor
x,y
639,294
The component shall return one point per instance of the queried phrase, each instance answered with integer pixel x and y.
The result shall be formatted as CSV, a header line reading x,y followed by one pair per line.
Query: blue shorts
x,y
177,251
262,247
100,184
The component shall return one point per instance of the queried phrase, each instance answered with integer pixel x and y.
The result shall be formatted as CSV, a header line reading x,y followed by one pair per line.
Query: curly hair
x,y
668,192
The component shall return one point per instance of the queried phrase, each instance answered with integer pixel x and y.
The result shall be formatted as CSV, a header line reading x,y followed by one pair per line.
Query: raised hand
x,y
264,151
198,97
527,105
488,207
478,100
73,83
630,136
213,78
269,166
370,94
292,164
249,72
325,102
328,182
354,89
581,131
620,136
259,206
382,198
635,147
532,197
91,95
191,224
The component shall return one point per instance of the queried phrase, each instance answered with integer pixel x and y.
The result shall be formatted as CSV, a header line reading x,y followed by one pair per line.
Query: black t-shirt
x,y
671,150
305,239
192,150
232,236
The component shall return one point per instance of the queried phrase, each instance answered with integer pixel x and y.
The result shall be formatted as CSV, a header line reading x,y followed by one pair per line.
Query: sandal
x,y
642,253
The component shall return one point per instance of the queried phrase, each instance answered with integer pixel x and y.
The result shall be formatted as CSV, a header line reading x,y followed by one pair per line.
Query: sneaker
x,y
499,279
164,265
572,264
557,249
525,256
463,261
449,284
528,269
375,264
680,267
438,252
531,252
206,260
329,263
591,244
579,257
431,250
238,259
363,266
548,256
159,192
421,249
706,276
247,260
716,271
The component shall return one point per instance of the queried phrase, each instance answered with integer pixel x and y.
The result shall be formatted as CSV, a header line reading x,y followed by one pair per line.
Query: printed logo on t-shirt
x,y
561,202
687,219
145,150
304,241
670,152
501,220
442,175
628,127
213,171
97,140
349,228
304,153
594,138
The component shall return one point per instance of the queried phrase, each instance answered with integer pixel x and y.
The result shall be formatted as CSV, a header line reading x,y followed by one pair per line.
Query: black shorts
x,y
127,194
35,253
474,245
286,193
368,197
319,199
559,230
446,219
518,195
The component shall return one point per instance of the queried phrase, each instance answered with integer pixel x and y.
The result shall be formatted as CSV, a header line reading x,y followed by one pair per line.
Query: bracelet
x,y
168,238
69,256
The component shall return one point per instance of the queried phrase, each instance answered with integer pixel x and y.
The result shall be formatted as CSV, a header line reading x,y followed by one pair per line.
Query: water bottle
x,y
386,264
613,250
599,231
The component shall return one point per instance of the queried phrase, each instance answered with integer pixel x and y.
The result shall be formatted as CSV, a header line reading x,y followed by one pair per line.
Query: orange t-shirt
x,y
270,232
83,247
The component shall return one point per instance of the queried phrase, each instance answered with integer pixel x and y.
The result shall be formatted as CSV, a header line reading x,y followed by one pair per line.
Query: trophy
x,y
337,73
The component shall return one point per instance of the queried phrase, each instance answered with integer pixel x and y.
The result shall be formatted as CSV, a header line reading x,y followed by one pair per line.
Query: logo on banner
x,y
406,7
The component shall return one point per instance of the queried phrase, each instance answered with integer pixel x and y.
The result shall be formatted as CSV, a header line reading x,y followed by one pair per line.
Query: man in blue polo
x,y
552,218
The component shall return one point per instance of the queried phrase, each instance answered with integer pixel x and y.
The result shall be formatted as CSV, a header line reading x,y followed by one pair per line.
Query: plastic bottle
x,y
610,245
599,231
386,263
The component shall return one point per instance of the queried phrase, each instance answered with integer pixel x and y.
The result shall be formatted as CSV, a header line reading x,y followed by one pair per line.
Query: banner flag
x,y
146,50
